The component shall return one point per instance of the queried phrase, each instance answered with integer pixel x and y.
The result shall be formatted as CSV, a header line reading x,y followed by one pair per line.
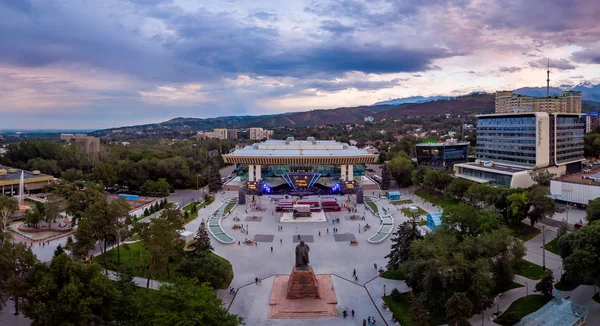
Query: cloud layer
x,y
73,63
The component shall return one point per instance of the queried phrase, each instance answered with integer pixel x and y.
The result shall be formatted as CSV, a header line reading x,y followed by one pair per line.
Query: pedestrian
x,y
232,290
352,312
256,243
364,322
256,280
356,278
281,240
319,232
375,265
298,237
327,230
271,249
238,242
354,272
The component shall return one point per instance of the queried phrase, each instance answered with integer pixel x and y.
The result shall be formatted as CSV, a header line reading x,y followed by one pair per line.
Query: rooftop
x,y
495,167
582,177
292,147
13,174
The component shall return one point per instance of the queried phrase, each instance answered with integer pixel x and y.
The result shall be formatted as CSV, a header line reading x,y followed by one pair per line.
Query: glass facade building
x,y
441,155
507,139
568,140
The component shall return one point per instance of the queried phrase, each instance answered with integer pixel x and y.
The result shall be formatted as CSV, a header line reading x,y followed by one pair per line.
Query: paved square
x,y
264,238
253,218
341,237
308,238
357,219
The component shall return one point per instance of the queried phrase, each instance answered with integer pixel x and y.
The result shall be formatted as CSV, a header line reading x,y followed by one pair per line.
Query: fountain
x,y
21,187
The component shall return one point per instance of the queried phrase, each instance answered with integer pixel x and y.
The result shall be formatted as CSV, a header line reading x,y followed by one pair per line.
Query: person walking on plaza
x,y
327,230
375,265
352,312
319,232
271,249
364,322
354,272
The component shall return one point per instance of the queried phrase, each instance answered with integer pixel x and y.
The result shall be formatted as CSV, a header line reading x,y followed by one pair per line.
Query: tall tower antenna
x,y
548,80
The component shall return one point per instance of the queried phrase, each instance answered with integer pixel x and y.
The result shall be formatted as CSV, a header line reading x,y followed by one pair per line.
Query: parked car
x,y
559,210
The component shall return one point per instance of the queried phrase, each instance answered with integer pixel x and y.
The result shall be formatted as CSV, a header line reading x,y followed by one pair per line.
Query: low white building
x,y
578,188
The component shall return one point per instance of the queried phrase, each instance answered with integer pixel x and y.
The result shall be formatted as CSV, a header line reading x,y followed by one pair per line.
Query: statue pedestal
x,y
302,295
303,284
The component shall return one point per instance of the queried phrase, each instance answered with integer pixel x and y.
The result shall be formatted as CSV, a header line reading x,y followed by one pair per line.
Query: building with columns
x,y
301,164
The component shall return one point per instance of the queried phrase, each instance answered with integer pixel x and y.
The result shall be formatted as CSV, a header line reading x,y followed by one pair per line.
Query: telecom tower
x,y
548,80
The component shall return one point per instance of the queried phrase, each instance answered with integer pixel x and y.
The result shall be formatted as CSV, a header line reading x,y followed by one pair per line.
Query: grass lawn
x,y
132,258
552,246
372,205
394,275
529,270
525,232
402,202
564,284
436,198
229,207
521,308
401,307
420,211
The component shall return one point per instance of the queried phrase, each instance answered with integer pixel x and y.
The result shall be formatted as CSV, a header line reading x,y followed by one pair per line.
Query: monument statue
x,y
302,256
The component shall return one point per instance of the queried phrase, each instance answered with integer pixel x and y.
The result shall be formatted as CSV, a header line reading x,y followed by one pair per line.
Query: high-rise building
x,y
592,121
510,145
220,133
232,134
259,134
509,102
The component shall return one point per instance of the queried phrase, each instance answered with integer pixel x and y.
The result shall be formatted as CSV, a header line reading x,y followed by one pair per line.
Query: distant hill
x,y
412,99
470,104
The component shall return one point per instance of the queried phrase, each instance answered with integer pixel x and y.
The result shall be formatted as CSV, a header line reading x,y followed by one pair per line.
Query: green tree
x,y
206,268
401,168
541,176
386,177
418,175
118,211
184,302
437,179
72,174
84,241
16,262
459,310
126,309
541,205
592,213
406,233
580,251
104,173
518,207
8,206
34,216
70,293
201,242
417,313
546,285
461,218
163,244
78,201
480,195
52,209
458,187
214,180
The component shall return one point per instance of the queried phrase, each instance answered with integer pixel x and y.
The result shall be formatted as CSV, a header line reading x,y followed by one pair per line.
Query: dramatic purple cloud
x,y
101,63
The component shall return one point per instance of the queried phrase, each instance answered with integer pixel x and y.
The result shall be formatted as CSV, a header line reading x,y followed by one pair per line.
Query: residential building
x,y
442,155
592,121
67,137
509,102
232,134
85,143
260,133
510,145
220,133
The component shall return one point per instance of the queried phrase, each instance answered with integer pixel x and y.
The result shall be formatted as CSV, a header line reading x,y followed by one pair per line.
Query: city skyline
x,y
86,65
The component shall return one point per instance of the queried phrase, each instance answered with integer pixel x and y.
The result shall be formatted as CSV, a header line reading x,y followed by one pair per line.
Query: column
x,y
250,172
350,172
343,166
258,172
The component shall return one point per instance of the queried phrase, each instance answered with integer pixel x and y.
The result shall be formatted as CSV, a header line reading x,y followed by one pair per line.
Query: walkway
x,y
386,220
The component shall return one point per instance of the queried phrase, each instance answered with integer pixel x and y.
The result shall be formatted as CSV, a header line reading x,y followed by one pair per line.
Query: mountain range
x,y
589,92
473,103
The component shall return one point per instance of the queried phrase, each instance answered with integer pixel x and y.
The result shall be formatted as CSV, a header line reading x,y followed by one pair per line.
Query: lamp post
x,y
543,247
384,290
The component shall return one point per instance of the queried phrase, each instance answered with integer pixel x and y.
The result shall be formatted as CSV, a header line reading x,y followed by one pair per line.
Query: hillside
x,y
470,104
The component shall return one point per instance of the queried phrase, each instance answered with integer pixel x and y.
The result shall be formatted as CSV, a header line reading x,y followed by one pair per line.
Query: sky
x,y
87,64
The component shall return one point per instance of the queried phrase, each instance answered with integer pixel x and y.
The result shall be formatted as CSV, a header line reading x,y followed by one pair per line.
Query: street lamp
x,y
543,247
